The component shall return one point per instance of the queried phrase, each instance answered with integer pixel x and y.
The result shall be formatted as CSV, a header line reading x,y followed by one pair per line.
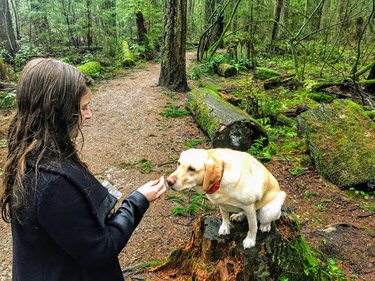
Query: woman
x,y
63,223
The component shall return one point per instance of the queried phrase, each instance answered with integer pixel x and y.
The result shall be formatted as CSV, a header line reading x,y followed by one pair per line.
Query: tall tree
x,y
89,23
7,37
278,9
173,60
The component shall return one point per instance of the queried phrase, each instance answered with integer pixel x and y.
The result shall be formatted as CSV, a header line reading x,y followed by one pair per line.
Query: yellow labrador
x,y
234,181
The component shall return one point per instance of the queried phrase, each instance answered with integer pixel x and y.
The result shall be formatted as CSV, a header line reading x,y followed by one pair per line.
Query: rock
x,y
341,139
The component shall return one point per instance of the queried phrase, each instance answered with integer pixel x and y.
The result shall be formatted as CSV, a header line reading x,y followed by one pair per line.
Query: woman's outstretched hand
x,y
153,189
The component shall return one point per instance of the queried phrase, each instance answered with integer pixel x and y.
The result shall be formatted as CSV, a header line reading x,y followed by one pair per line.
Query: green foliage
x,y
146,166
259,150
193,143
8,99
359,193
196,203
26,51
3,143
174,111
321,97
91,68
298,254
297,171
309,195
143,165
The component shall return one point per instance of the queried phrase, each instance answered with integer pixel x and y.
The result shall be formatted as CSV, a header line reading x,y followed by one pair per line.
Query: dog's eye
x,y
178,163
191,169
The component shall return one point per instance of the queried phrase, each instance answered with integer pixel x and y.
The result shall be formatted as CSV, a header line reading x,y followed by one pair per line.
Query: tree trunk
x,y
275,29
225,124
89,23
141,28
173,57
282,252
7,36
371,87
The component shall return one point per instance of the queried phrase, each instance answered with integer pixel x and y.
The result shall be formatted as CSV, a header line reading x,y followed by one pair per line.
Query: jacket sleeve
x,y
122,224
67,214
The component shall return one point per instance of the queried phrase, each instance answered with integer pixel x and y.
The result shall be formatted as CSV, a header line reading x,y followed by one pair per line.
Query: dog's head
x,y
197,169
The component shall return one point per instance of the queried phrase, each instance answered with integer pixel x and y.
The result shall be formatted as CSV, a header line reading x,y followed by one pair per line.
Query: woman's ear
x,y
213,172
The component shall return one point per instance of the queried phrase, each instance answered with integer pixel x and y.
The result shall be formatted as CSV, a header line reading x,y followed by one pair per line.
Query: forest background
x,y
336,34
311,44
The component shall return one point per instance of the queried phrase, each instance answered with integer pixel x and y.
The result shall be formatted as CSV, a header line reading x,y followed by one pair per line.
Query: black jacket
x,y
67,231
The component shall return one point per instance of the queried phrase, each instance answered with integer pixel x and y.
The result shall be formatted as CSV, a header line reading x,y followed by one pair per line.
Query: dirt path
x,y
127,128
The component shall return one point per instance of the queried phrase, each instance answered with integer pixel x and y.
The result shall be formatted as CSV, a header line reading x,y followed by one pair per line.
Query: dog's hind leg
x,y
271,212
225,225
238,217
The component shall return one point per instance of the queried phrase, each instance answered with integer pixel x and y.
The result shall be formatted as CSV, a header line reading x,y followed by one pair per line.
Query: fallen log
x,y
127,59
281,254
225,124
225,70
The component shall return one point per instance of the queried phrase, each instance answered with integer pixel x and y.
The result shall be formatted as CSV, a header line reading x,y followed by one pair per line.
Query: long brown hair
x,y
46,121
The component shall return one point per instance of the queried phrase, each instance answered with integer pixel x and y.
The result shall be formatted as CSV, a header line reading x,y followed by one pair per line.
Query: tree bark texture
x,y
225,124
207,256
173,60
89,23
7,36
141,27
275,28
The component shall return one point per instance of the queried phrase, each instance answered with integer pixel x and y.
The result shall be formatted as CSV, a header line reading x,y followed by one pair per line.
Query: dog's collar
x,y
216,185
213,188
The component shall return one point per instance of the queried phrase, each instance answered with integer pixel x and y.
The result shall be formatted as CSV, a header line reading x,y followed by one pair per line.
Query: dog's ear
x,y
213,172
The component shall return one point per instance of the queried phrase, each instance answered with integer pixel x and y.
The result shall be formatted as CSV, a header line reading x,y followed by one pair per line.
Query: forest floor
x,y
129,142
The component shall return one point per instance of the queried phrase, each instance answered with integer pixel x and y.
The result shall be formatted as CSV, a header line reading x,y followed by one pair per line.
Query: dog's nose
x,y
171,181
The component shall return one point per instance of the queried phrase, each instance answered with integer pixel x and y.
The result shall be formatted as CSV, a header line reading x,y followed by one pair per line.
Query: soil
x,y
127,130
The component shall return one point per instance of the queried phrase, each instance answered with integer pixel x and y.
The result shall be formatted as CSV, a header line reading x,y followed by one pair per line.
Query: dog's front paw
x,y
265,227
248,243
224,230
237,217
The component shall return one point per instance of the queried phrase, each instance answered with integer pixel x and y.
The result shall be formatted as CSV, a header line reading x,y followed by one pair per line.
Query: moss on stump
x,y
341,139
281,254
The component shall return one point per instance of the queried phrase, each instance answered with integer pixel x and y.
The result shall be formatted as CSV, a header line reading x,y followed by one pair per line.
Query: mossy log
x,y
281,254
91,68
264,73
341,139
225,124
225,70
127,55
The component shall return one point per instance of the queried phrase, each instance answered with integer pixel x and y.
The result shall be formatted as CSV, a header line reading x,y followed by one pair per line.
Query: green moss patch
x,y
91,68
341,139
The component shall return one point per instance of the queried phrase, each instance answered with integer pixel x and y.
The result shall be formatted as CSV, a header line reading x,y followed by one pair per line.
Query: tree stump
x,y
226,125
281,253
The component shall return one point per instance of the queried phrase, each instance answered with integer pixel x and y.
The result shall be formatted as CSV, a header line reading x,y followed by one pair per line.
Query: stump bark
x,y
226,125
280,254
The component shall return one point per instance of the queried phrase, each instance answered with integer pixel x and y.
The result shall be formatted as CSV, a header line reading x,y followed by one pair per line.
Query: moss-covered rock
x,y
127,55
91,68
341,139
